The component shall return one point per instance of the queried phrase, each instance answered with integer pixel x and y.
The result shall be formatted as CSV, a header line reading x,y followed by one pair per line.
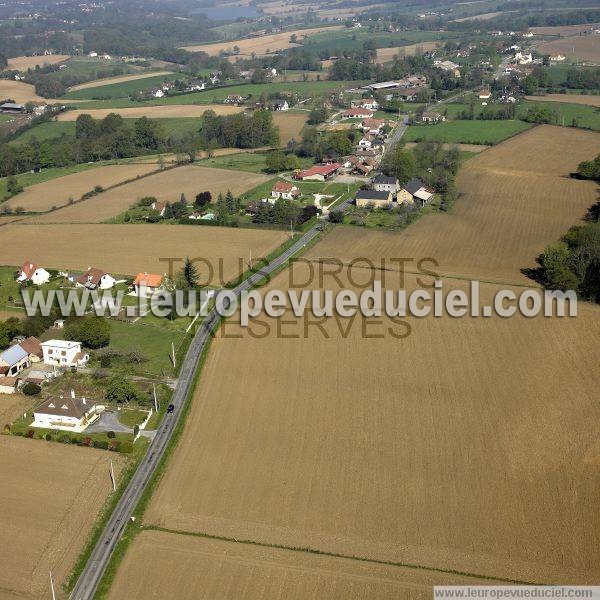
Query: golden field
x,y
130,249
154,112
51,496
290,125
167,185
588,99
22,63
563,30
19,92
259,45
119,79
41,197
385,55
577,47
193,568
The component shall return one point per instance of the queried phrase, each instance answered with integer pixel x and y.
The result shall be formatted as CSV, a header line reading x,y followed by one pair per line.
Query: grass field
x,y
585,116
167,185
587,99
577,47
118,79
56,192
48,510
125,88
465,132
22,63
130,249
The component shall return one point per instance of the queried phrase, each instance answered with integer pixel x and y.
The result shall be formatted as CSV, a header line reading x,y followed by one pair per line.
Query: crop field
x,y
259,45
577,47
387,54
47,510
57,192
290,125
154,112
130,249
515,199
562,30
18,91
587,99
205,569
125,88
465,132
167,185
22,63
119,79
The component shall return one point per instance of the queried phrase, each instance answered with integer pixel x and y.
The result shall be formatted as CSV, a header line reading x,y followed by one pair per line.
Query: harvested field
x,y
129,249
259,45
22,63
56,192
4,220
387,54
165,111
48,510
167,185
480,17
517,198
290,125
119,79
577,47
19,92
462,147
186,567
12,406
565,30
587,99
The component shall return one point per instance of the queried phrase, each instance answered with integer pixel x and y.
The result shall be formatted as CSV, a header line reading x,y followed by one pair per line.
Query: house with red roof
x,y
30,271
148,281
94,279
318,172
357,113
285,190
372,126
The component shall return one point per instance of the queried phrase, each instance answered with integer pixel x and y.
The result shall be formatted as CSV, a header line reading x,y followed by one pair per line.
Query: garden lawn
x,y
253,162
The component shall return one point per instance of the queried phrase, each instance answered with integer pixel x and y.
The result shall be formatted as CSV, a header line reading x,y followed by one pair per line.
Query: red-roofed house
x,y
286,190
357,113
368,103
31,272
95,278
149,281
372,126
318,172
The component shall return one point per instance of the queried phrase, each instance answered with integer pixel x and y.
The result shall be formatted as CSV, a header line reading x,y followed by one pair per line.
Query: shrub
x,y
105,360
102,444
31,389
114,445
30,433
111,435
48,437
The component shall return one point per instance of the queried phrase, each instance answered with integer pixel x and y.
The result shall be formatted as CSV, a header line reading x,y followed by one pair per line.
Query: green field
x,y
465,132
586,116
253,162
123,89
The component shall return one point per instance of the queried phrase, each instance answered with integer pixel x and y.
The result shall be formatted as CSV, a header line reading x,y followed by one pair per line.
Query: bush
x,y
105,361
64,439
48,437
111,435
136,430
31,389
102,444
30,433
120,390
114,445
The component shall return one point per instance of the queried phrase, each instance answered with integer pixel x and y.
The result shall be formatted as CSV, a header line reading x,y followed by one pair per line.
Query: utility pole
x,y
155,400
52,587
112,476
173,353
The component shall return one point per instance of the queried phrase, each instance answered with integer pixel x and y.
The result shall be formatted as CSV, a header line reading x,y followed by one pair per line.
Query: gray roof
x,y
66,407
414,185
13,355
12,106
371,195
381,178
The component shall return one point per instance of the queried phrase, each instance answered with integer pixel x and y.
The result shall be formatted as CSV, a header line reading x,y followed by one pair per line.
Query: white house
x,y
65,414
382,183
368,103
8,385
13,361
365,143
522,58
64,353
93,54
149,281
31,272
94,279
285,190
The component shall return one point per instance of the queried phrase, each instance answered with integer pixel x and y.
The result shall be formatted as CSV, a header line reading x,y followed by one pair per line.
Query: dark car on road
x,y
170,408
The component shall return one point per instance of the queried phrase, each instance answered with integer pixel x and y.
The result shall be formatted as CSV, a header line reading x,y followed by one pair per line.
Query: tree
x,y
86,127
120,390
93,332
202,199
231,202
13,187
31,389
399,163
189,273
4,336
275,161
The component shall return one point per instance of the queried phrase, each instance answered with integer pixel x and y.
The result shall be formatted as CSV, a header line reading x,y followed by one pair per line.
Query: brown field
x,y
22,63
187,567
51,497
119,79
481,17
259,45
154,112
19,91
588,99
56,192
290,125
129,249
477,148
563,29
525,181
167,185
387,54
5,220
577,47
12,406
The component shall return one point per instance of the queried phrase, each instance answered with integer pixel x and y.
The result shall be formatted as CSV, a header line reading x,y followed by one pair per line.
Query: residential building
x,y
64,353
372,126
156,92
432,117
30,271
419,191
446,65
94,279
408,95
33,347
403,196
484,94
318,172
147,281
285,190
8,385
368,103
357,113
279,106
383,183
65,414
373,199
523,59
159,206
13,361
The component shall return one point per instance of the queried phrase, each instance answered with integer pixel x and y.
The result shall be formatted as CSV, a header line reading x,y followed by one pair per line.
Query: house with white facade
x,y
30,271
64,353
150,282
285,190
383,183
65,413
8,385
13,361
94,279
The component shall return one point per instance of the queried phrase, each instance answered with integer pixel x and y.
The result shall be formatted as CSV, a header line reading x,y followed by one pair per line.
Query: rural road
x,y
99,558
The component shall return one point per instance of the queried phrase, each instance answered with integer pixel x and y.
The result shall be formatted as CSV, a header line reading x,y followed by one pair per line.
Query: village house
x,y
64,353
373,199
279,106
484,94
368,103
318,172
557,57
408,95
159,206
156,92
31,272
383,183
432,117
65,414
148,281
419,191
285,190
403,196
94,279
8,385
33,347
13,361
233,99
357,113
372,126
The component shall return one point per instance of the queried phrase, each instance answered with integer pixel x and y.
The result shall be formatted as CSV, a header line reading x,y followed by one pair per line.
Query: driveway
x,y
109,421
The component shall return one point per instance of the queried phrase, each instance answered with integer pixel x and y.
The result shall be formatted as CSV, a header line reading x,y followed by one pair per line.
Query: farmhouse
x,y
382,183
372,126
8,385
318,172
357,113
94,278
33,347
147,281
432,117
419,191
65,414
484,94
373,198
408,95
13,361
31,272
64,353
285,190
368,103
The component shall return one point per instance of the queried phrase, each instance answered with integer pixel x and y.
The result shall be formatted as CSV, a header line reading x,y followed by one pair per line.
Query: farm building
x,y
384,85
64,353
65,414
408,95
419,191
31,272
373,198
94,279
285,190
8,385
357,113
11,107
13,361
318,172
33,347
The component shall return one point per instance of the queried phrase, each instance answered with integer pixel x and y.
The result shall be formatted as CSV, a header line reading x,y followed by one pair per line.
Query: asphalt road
x,y
91,575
